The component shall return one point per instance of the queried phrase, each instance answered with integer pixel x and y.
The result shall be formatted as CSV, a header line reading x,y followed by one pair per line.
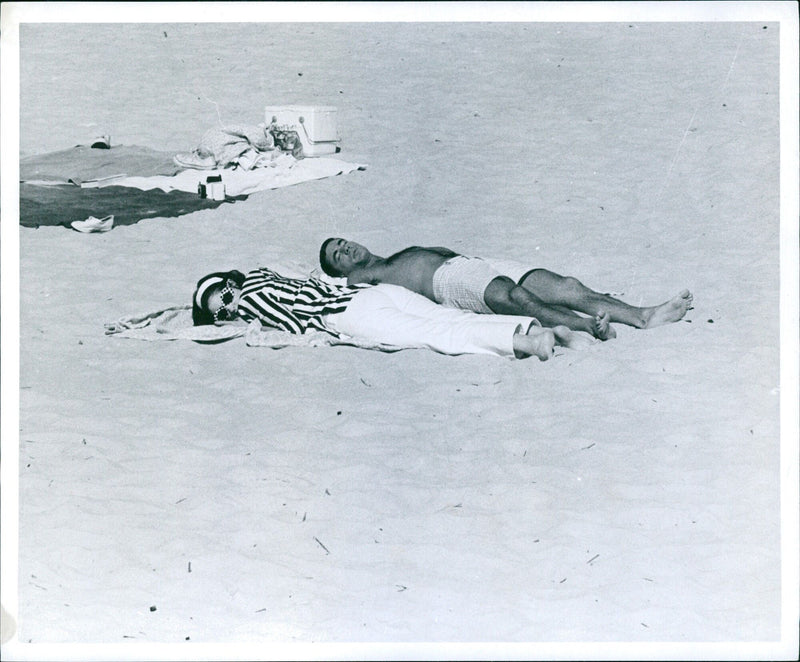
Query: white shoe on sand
x,y
93,224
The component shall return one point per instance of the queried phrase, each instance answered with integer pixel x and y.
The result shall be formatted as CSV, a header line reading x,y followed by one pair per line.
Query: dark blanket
x,y
60,205
50,192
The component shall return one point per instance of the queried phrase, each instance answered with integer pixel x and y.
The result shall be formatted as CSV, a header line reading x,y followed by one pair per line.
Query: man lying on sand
x,y
475,284
385,314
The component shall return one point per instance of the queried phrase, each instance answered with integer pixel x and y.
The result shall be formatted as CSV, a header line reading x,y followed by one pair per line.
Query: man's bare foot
x,y
669,311
568,338
601,326
538,341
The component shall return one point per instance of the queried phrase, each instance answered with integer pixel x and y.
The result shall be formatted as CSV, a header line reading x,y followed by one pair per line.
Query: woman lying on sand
x,y
379,314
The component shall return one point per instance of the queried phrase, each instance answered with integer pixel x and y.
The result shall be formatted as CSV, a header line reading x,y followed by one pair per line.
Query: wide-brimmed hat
x,y
204,285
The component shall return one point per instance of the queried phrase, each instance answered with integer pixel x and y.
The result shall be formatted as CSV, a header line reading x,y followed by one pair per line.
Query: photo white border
x,y
783,11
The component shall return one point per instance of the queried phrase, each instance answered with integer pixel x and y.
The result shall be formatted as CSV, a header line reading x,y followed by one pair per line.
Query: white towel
x,y
175,323
285,171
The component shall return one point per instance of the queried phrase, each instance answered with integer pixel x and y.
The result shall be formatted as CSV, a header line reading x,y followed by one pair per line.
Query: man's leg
x,y
558,290
504,297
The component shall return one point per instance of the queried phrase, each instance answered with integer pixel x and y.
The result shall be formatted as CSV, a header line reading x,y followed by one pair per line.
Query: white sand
x,y
627,493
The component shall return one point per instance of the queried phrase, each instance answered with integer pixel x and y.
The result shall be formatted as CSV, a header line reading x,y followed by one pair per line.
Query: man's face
x,y
346,255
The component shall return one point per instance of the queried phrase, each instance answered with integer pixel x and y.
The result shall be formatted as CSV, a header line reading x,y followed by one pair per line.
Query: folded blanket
x,y
175,323
82,163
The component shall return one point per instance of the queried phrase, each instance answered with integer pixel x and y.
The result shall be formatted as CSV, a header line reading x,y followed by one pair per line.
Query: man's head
x,y
216,297
339,257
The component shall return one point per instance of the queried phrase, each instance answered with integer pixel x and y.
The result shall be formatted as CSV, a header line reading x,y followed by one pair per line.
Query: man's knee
x,y
572,284
498,295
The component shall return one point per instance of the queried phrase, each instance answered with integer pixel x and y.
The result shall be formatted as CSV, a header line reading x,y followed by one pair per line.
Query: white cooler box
x,y
315,126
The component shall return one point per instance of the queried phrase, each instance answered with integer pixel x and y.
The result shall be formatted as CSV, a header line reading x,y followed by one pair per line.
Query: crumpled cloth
x,y
228,143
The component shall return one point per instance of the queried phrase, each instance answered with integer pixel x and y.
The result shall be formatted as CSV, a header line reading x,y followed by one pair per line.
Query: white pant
x,y
393,315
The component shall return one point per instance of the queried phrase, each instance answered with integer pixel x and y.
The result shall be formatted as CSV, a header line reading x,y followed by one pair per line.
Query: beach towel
x,y
285,170
134,183
175,323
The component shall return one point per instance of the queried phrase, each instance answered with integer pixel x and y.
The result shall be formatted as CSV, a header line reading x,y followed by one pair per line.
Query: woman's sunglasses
x,y
222,314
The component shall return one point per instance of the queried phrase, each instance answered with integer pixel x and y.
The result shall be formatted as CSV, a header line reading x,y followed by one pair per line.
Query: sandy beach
x,y
628,494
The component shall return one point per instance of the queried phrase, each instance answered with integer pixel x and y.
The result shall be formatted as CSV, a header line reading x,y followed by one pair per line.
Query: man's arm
x,y
441,250
438,250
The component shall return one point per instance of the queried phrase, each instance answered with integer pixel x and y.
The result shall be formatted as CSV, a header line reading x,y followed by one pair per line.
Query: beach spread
x,y
134,183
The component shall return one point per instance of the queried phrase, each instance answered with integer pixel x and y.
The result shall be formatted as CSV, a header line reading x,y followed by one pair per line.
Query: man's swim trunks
x,y
461,281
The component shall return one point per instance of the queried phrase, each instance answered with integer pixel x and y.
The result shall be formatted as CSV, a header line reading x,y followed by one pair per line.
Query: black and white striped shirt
x,y
292,304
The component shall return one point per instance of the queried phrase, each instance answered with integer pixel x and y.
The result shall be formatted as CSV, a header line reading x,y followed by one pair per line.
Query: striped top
x,y
292,304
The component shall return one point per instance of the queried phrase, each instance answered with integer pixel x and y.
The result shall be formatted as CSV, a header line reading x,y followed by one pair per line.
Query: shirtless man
x,y
475,284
